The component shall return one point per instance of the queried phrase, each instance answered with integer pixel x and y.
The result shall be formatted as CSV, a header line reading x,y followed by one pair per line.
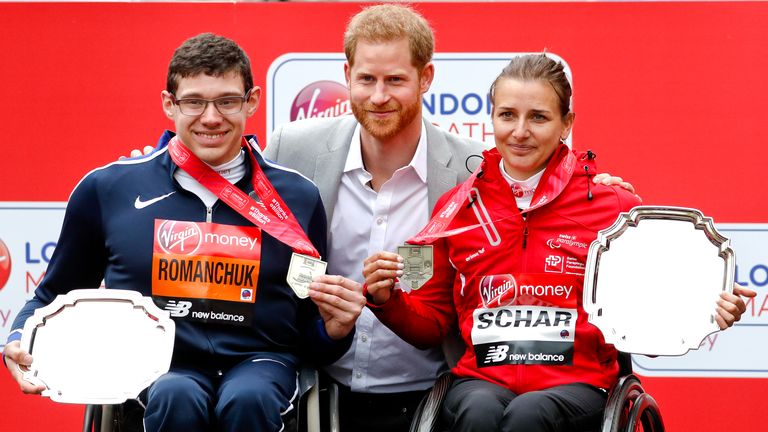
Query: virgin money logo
x,y
181,238
321,99
498,290
520,191
5,264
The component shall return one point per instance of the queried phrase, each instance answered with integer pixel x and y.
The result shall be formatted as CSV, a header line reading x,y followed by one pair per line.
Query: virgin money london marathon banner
x,y
453,102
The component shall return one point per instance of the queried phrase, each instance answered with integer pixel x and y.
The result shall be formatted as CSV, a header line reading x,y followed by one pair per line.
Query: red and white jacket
x,y
514,283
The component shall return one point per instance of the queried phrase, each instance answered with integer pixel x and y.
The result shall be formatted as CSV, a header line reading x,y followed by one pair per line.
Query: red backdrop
x,y
670,95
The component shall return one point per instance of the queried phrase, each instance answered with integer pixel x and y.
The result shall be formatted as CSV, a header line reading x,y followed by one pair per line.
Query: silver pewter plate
x,y
98,346
653,279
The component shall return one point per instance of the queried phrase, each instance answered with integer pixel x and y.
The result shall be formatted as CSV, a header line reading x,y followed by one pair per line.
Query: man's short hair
x,y
208,54
389,22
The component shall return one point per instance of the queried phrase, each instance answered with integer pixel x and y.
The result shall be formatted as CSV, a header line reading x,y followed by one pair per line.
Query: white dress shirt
x,y
365,222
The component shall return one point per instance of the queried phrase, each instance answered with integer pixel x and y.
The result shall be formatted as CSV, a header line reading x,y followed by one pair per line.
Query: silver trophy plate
x,y
98,346
653,279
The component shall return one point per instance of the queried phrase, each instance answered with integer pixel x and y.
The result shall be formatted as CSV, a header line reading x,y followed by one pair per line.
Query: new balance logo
x,y
496,354
139,204
178,309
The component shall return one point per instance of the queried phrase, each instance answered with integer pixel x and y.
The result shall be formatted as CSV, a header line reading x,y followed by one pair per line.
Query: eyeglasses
x,y
227,105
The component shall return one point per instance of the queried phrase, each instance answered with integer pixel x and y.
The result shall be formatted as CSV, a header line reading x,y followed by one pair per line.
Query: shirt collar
x,y
418,162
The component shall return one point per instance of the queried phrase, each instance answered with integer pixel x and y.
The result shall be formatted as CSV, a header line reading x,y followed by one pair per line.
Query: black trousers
x,y
481,406
377,412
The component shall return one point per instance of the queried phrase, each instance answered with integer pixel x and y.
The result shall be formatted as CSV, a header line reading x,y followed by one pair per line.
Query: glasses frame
x,y
243,99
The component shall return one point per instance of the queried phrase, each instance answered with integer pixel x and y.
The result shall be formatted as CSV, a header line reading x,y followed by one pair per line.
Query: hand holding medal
x,y
339,300
381,271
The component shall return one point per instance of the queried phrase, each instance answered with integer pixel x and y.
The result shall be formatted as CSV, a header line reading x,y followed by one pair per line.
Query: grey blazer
x,y
318,149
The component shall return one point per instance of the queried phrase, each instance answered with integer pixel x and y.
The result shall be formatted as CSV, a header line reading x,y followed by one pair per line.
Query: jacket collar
x,y
557,174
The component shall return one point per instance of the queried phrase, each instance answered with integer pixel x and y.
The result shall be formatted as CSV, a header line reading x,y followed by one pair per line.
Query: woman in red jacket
x,y
510,247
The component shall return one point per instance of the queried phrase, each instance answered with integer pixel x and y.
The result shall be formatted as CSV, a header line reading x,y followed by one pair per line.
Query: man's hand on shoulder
x,y
340,301
136,152
16,358
609,180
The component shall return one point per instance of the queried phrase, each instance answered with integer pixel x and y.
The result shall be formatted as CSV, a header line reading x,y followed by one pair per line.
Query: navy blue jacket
x,y
105,237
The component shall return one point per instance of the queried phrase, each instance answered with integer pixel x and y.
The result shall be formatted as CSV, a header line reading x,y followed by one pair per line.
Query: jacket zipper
x,y
525,230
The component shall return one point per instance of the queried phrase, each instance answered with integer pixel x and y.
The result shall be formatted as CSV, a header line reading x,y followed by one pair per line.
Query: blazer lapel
x,y
440,178
329,166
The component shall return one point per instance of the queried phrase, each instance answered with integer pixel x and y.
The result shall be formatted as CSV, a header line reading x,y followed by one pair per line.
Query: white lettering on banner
x,y
739,351
30,231
453,103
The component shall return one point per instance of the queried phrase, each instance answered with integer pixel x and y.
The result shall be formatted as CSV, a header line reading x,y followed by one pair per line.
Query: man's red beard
x,y
389,127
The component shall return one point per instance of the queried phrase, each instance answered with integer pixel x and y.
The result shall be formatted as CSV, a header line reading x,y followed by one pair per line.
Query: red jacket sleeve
x,y
423,317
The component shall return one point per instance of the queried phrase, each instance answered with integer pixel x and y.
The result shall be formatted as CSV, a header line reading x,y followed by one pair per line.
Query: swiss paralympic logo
x,y
321,99
5,264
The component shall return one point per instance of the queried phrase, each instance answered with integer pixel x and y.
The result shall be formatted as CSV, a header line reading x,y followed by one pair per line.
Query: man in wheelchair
x,y
209,229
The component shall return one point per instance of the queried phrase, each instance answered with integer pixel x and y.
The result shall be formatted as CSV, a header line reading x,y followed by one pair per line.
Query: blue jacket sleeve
x,y
317,346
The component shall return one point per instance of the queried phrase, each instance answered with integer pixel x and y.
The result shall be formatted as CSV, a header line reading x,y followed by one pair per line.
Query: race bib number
x,y
206,272
525,319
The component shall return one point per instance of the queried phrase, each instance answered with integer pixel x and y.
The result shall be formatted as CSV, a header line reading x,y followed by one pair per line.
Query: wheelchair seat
x,y
129,416
627,407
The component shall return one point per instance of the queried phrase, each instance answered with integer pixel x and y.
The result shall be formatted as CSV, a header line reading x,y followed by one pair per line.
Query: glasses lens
x,y
192,106
229,105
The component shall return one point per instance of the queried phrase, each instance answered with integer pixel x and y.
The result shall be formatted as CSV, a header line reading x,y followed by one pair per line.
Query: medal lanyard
x,y
436,227
270,214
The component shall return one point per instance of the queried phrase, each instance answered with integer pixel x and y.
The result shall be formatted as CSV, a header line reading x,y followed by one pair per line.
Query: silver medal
x,y
418,261
301,271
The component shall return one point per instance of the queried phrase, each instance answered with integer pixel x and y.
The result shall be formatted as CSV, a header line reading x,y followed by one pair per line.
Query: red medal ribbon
x,y
270,214
437,226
